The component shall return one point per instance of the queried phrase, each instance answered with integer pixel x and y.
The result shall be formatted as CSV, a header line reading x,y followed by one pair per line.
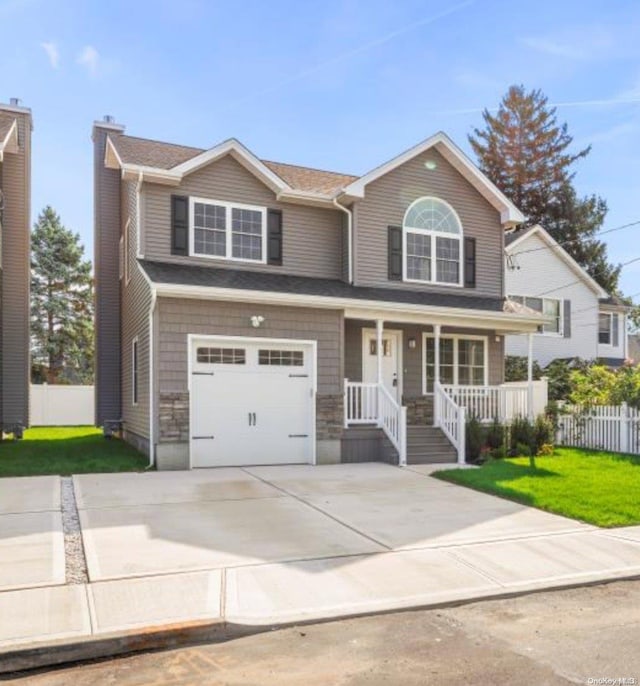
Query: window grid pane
x,y
447,260
221,355
469,362
209,223
418,256
604,329
281,358
246,228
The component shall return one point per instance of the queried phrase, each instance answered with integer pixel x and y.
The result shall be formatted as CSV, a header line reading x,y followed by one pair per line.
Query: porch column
x,y
436,373
379,327
530,378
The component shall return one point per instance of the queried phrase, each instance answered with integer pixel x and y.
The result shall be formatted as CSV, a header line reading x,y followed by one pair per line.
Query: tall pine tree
x,y
525,152
61,304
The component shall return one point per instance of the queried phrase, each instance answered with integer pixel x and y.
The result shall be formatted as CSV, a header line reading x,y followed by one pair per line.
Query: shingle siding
x,y
385,203
15,275
107,228
312,236
180,317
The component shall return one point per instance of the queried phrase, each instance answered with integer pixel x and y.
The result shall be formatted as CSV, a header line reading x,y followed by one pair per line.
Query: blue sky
x,y
336,84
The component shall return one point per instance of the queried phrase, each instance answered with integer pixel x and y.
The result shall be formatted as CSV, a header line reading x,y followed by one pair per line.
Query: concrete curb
x,y
37,656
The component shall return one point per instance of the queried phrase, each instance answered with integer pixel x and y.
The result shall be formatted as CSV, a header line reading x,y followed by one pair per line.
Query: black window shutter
x,y
274,237
566,328
469,262
395,253
179,225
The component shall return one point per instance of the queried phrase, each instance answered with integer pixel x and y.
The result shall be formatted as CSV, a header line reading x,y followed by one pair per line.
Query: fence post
x,y
402,438
624,428
346,403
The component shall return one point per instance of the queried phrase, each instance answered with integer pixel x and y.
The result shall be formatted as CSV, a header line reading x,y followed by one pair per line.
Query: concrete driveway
x,y
276,544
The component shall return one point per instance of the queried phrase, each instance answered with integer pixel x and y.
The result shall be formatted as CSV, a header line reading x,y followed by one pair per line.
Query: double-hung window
x,y
550,307
432,243
463,361
608,332
228,230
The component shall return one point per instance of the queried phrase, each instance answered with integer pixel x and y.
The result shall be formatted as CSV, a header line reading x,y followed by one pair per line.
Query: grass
x,y
595,487
67,450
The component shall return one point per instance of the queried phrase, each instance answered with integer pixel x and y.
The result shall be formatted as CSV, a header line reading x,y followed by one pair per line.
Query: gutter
x,y
349,236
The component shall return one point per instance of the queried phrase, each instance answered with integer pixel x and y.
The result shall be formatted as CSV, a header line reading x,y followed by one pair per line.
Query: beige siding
x,y
312,236
107,227
179,317
385,203
412,358
136,299
15,276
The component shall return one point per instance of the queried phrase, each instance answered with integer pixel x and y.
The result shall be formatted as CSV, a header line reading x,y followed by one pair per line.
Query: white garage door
x,y
251,402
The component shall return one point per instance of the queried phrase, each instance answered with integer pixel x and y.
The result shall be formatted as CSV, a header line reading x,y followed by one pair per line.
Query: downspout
x,y
152,307
349,237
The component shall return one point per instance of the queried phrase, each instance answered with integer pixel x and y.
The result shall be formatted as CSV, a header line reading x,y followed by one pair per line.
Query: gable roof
x,y
513,240
509,213
169,163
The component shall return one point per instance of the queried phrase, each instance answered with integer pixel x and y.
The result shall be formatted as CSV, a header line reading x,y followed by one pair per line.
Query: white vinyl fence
x,y
601,427
61,405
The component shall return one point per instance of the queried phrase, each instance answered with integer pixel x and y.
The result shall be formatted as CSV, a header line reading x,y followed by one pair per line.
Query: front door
x,y
391,360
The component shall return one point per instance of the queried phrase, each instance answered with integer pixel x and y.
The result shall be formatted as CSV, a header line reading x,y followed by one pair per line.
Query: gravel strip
x,y
76,565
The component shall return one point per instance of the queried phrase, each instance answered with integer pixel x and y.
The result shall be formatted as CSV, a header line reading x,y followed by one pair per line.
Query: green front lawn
x,y
595,487
67,450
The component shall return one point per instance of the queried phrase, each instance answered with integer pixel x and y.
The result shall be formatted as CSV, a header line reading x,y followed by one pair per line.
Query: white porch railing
x,y
486,403
371,403
451,419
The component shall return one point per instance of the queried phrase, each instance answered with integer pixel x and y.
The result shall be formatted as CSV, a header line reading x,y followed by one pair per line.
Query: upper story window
x,y
550,307
228,230
608,328
432,243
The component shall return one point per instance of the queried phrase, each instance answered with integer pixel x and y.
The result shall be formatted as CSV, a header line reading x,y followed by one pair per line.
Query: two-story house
x,y
236,295
15,207
585,321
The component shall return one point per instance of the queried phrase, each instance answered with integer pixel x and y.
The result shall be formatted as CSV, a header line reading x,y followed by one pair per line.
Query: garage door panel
x,y
259,411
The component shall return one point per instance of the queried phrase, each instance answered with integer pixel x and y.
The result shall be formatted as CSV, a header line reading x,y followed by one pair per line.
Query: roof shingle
x,y
150,153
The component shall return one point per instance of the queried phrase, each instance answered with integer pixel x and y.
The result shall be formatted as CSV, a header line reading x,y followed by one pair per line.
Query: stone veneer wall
x,y
174,417
419,410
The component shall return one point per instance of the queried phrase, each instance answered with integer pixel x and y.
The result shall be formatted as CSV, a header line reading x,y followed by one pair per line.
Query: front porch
x,y
417,384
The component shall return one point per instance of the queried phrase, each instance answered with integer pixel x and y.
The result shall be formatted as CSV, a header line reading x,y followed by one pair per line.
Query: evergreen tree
x,y
525,152
61,304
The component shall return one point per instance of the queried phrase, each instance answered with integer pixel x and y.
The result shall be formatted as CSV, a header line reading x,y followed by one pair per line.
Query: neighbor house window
x,y
134,371
550,307
432,242
608,329
228,230
463,361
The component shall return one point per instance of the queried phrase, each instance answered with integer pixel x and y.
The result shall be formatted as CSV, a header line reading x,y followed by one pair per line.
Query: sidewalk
x,y
411,542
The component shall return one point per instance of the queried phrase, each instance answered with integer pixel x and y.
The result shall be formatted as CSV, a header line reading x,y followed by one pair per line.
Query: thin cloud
x,y
89,58
555,49
356,51
53,54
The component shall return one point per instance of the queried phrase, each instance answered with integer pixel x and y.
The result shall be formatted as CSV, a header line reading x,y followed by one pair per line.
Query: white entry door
x,y
391,360
251,402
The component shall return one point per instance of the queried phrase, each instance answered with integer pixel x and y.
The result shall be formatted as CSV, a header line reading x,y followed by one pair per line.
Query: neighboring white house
x,y
586,321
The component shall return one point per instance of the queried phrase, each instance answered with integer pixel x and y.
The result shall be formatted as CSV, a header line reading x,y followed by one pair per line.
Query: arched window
x,y
432,242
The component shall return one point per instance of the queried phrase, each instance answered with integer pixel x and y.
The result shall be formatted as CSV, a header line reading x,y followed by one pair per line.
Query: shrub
x,y
516,368
521,434
543,434
495,435
546,450
474,439
522,450
558,375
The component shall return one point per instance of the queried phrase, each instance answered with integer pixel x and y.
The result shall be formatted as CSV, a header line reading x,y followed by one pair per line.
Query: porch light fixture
x,y
430,165
412,343
256,321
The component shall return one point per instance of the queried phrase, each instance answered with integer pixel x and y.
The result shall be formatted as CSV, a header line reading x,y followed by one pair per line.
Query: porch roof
x,y
180,280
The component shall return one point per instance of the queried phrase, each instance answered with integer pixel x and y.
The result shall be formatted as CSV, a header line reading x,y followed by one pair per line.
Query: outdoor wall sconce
x,y
256,321
430,165
412,343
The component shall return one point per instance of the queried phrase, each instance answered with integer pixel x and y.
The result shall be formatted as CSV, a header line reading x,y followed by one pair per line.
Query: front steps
x,y
428,445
